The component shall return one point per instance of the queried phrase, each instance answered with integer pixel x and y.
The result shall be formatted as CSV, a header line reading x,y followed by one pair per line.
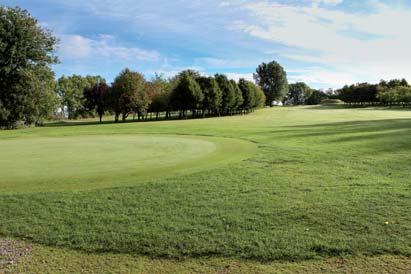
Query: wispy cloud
x,y
373,46
76,47
326,43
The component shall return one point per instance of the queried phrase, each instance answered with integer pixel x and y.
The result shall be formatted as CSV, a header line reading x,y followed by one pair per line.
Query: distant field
x,y
289,184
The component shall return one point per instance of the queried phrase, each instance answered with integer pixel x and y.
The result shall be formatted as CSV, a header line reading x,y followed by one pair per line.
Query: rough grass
x,y
52,260
322,182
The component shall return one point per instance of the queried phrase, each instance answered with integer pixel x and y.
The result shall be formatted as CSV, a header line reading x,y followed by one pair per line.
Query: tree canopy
x,y
298,93
26,79
129,94
71,92
187,94
213,96
272,79
98,98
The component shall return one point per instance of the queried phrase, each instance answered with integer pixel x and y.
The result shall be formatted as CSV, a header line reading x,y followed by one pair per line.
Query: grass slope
x,y
322,182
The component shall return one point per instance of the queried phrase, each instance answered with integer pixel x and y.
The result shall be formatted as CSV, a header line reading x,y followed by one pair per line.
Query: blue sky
x,y
326,43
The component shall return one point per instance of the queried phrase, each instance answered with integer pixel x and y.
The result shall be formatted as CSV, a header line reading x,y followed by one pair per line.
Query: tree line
x,y
131,94
387,93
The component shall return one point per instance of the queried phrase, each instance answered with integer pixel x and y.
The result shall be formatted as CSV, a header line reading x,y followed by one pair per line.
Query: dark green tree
x,y
238,96
98,98
248,91
26,53
316,97
212,95
259,97
129,95
272,79
228,93
298,93
186,95
359,93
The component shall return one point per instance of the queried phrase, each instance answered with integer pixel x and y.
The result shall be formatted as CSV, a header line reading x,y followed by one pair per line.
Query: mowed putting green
x,y
93,161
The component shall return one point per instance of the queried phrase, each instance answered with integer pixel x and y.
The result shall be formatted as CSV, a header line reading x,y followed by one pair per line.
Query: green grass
x,y
56,260
317,182
96,161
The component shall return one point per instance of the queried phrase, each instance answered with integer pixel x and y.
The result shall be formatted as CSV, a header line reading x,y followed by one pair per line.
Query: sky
x,y
325,43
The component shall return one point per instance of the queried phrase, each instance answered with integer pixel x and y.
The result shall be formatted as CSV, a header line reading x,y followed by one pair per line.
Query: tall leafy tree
x,y
238,96
259,97
248,91
359,93
158,92
298,93
98,98
186,95
26,53
71,92
228,93
316,97
129,94
212,94
272,79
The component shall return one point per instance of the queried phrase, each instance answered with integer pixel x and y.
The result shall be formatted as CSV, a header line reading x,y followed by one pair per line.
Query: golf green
x,y
40,164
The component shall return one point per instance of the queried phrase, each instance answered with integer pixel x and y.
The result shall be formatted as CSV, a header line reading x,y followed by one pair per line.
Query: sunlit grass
x,y
321,182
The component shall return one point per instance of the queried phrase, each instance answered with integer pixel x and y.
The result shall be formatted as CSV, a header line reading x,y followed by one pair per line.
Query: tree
x,y
44,100
259,97
212,95
358,93
98,98
272,79
298,93
26,53
158,92
129,94
316,97
397,95
248,92
238,96
394,83
228,93
186,95
71,92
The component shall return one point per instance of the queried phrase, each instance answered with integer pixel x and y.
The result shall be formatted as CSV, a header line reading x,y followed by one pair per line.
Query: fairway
x,y
292,183
87,162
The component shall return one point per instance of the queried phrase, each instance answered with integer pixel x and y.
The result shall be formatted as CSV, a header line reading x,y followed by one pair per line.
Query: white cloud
x,y
326,2
238,76
211,62
367,46
74,47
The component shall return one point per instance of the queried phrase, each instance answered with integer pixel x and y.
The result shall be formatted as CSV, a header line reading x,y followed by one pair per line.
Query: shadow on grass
x,y
358,107
111,122
383,135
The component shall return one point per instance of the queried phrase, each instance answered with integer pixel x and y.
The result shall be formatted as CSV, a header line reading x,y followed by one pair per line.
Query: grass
x,y
56,260
96,161
318,182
